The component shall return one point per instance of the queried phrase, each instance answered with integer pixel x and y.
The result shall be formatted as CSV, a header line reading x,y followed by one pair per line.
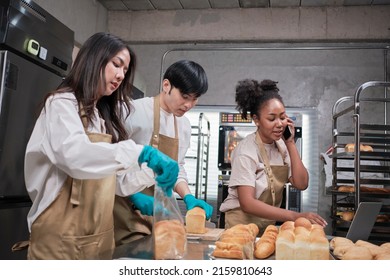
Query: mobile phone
x,y
287,133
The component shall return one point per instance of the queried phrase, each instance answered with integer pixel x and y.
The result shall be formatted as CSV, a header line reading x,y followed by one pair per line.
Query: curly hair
x,y
252,95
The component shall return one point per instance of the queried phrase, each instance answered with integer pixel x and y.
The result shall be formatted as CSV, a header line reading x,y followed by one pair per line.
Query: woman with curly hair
x,y
264,161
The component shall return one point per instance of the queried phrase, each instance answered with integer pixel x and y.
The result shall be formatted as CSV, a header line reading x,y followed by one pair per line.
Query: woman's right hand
x,y
314,218
166,168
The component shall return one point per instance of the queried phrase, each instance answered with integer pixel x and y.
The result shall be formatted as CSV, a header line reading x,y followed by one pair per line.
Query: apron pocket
x,y
88,247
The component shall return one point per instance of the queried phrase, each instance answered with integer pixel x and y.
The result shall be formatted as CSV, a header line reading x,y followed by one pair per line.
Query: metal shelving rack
x,y
201,134
377,135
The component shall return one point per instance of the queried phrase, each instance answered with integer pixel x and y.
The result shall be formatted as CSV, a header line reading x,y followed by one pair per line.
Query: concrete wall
x,y
314,75
316,54
84,17
261,24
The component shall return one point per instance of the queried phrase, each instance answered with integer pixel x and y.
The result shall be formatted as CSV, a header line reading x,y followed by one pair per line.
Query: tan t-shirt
x,y
248,168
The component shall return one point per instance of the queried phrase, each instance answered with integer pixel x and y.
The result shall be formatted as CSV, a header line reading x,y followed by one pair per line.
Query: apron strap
x,y
77,185
283,154
76,192
268,170
154,141
156,122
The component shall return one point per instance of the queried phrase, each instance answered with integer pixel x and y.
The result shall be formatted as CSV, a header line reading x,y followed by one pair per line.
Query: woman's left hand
x,y
290,126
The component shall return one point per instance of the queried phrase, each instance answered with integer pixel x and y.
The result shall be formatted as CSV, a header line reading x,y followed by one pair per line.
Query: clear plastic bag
x,y
169,233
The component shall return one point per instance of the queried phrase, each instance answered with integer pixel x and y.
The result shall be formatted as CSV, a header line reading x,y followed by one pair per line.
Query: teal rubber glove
x,y
143,202
192,202
166,168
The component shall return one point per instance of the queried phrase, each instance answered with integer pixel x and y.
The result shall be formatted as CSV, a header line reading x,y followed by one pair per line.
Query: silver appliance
x,y
35,54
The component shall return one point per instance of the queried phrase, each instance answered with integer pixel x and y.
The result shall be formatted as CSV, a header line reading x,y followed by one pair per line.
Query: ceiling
x,y
142,5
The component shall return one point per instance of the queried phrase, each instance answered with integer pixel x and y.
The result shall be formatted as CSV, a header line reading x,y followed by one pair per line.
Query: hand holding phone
x,y
287,133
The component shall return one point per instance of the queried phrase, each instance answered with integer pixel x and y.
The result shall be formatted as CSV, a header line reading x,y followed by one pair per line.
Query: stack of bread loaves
x,y
300,240
237,242
344,249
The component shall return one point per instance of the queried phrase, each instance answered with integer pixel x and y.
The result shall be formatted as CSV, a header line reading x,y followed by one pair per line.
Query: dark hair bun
x,y
269,85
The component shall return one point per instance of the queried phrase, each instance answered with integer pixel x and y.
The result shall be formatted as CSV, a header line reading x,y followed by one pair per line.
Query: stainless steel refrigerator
x,y
35,54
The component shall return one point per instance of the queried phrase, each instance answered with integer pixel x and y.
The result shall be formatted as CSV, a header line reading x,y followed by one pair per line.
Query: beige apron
x,y
277,177
129,223
79,223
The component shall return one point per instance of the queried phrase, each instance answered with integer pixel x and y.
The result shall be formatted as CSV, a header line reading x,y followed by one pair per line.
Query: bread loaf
x,y
170,240
228,250
302,222
301,241
246,242
237,238
265,246
196,220
352,252
374,189
287,225
285,245
339,241
349,148
346,188
385,245
382,218
250,229
374,249
383,256
345,249
347,215
319,246
302,244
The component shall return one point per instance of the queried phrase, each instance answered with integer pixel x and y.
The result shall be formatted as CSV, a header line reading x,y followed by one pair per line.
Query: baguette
x,y
265,246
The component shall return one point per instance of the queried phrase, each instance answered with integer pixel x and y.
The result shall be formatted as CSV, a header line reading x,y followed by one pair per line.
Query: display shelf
x,y
361,168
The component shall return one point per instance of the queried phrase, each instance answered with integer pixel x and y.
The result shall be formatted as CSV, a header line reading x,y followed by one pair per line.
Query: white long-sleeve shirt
x,y
140,127
59,147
